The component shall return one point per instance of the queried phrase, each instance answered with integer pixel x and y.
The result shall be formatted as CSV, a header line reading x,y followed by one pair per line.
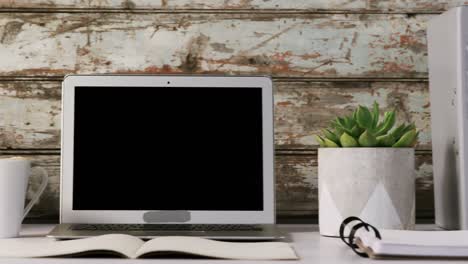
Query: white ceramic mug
x,y
14,178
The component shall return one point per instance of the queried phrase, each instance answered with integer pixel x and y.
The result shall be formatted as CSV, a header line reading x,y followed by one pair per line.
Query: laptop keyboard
x,y
164,227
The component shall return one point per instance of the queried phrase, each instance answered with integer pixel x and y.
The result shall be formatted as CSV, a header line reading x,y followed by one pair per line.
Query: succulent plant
x,y
363,129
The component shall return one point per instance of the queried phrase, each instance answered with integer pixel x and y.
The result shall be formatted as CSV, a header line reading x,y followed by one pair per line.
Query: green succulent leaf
x,y
320,140
385,140
349,121
387,124
356,131
407,140
409,127
364,117
402,129
375,114
348,141
398,131
381,124
340,121
334,124
355,115
330,144
337,127
330,135
339,131
367,140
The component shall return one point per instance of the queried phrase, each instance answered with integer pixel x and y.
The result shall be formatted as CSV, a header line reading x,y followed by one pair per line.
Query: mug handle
x,y
44,181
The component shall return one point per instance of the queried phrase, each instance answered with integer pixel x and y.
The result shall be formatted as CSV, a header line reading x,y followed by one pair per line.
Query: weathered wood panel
x,y
302,109
30,114
30,110
296,185
287,45
287,39
330,5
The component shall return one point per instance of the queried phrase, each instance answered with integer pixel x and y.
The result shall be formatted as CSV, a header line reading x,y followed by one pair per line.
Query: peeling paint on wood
x,y
302,109
415,5
348,5
287,45
30,114
30,110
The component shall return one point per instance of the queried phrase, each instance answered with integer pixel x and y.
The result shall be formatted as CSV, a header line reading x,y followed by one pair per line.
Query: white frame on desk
x,y
68,215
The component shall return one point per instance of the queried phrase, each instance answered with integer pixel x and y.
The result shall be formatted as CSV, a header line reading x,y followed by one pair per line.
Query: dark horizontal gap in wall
x,y
7,152
49,9
278,152
60,78
422,217
354,79
314,151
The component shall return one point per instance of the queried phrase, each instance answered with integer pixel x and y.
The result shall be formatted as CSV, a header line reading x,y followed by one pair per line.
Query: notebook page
x,y
44,247
417,243
218,249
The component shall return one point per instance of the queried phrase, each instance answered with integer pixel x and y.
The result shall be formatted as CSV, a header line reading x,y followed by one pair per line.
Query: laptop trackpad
x,y
166,216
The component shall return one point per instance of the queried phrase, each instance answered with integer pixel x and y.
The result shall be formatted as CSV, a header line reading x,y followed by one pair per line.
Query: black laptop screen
x,y
178,148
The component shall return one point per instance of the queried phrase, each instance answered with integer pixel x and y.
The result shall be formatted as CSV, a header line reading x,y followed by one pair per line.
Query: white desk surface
x,y
309,245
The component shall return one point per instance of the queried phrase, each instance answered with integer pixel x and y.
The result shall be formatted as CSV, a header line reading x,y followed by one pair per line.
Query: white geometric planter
x,y
375,184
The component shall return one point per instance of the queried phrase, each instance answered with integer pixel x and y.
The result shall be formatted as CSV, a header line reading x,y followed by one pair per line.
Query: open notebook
x,y
383,243
132,247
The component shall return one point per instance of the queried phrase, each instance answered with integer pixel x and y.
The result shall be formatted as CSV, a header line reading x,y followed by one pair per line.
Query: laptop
x,y
154,156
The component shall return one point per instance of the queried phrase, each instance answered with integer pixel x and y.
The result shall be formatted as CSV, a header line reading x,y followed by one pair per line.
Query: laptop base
x,y
260,233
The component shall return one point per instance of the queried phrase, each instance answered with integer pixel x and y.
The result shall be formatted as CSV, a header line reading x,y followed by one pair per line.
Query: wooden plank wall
x,y
326,57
